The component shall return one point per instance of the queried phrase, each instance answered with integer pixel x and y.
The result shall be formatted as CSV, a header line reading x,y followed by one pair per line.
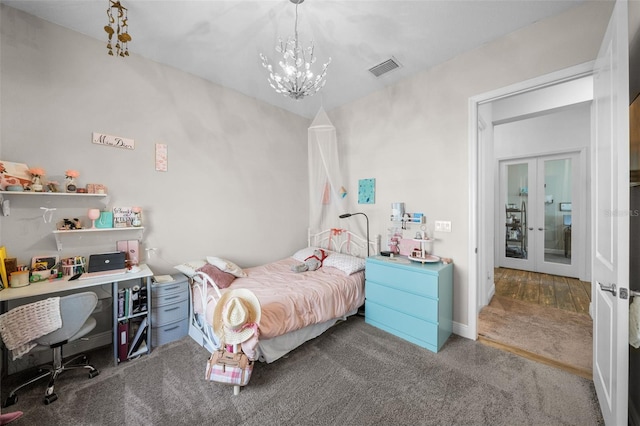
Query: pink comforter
x,y
290,301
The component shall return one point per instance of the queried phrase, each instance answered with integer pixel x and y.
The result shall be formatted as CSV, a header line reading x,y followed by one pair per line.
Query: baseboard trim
x,y
463,331
587,374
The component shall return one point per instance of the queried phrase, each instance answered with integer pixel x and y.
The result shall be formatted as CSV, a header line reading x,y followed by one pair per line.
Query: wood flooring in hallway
x,y
569,294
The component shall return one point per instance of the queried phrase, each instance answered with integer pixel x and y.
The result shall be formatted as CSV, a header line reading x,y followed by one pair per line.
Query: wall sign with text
x,y
109,140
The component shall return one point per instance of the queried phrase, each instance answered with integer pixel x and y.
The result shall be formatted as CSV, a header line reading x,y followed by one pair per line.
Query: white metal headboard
x,y
343,241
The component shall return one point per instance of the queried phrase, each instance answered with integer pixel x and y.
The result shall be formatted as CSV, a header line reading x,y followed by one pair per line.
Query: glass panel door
x,y
516,211
538,214
557,211
516,179
557,215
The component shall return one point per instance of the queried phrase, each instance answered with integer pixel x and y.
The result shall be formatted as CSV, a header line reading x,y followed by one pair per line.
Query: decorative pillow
x,y
345,262
226,266
190,268
221,278
304,253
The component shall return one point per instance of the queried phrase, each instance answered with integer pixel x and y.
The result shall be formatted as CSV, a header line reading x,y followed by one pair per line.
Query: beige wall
x,y
237,180
413,137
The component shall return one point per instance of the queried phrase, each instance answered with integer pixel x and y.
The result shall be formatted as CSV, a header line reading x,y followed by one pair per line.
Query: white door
x,y
610,209
557,231
540,218
515,214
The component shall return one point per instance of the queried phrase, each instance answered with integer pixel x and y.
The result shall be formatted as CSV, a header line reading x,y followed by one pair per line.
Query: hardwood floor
x,y
563,339
569,294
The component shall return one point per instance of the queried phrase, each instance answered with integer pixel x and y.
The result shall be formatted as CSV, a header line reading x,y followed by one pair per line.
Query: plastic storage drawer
x,y
165,314
169,332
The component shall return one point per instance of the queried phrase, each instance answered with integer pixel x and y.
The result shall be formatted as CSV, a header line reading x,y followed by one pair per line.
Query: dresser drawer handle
x,y
171,297
171,288
172,309
172,328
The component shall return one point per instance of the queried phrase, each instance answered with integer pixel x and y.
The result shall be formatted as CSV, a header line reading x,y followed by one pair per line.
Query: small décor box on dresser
x,y
169,310
411,300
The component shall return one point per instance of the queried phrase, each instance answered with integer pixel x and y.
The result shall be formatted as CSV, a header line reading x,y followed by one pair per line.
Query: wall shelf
x,y
5,196
62,233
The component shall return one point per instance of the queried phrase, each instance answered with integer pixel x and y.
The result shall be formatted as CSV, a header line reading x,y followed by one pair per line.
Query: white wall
x,y
237,167
558,131
413,137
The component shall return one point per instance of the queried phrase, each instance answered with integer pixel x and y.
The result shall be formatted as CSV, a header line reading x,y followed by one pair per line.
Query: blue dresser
x,y
413,301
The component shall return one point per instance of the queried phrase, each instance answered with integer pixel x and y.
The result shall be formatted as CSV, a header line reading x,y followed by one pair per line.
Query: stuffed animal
x,y
311,263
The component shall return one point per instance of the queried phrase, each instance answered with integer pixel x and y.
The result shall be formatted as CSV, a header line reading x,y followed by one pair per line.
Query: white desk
x,y
45,288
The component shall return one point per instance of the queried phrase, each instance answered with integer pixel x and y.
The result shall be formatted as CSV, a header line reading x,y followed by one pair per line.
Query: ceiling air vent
x,y
384,67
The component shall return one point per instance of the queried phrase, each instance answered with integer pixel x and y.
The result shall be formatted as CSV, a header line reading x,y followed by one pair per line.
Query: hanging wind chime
x,y
121,29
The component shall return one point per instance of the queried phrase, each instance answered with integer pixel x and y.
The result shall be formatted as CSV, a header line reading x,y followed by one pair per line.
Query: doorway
x,y
535,209
521,123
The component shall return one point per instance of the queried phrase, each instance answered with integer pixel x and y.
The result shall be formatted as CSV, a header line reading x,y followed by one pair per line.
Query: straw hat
x,y
235,315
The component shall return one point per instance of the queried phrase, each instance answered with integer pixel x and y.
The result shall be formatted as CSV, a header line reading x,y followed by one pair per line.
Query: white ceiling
x,y
220,41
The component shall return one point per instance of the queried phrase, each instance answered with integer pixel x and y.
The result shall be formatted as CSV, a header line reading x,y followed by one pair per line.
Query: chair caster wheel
x,y
50,398
10,400
93,373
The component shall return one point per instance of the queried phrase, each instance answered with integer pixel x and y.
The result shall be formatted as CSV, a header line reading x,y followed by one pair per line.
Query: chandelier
x,y
122,26
294,77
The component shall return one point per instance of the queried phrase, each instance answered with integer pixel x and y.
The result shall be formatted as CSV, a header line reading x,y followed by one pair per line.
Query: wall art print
x,y
367,191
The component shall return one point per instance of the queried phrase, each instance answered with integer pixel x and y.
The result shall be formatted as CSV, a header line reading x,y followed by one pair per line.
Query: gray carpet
x,y
353,374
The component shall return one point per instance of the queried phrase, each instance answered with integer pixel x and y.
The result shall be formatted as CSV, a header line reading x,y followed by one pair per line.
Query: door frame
x,y
482,191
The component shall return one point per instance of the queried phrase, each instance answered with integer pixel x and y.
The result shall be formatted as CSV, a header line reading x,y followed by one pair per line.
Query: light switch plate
x,y
443,226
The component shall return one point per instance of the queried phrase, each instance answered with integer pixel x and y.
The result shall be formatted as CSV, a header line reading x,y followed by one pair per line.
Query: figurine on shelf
x,y
53,186
36,178
70,180
69,224
136,220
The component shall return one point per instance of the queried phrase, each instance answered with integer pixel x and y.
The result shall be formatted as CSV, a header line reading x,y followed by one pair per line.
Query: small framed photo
x,y
565,207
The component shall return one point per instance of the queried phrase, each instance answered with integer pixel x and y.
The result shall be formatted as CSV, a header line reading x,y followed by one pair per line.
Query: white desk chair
x,y
77,321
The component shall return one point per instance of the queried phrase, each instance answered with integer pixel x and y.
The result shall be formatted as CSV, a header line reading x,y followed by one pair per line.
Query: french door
x,y
539,214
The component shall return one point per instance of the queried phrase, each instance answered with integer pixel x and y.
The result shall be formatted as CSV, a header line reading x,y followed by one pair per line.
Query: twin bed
x,y
296,306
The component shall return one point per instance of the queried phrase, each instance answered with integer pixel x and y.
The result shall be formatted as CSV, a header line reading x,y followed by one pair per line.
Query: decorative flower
x,y
71,174
36,171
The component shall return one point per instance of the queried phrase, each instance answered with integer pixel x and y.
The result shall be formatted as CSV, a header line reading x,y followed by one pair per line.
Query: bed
x,y
296,307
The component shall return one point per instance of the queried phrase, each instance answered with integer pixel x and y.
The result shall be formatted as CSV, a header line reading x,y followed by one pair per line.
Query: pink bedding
x,y
290,301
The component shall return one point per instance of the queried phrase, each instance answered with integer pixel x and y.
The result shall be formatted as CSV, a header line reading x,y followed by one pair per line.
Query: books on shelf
x,y
123,340
131,301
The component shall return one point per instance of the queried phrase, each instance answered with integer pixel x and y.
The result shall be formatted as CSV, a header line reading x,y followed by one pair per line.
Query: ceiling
x,y
220,41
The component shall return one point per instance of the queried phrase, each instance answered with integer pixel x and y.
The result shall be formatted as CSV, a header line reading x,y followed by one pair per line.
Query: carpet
x,y
553,335
353,374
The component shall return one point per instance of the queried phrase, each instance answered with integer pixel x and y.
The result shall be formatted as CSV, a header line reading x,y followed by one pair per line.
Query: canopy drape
x,y
327,194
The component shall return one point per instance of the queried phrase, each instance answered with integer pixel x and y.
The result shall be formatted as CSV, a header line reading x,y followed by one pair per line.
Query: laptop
x,y
105,264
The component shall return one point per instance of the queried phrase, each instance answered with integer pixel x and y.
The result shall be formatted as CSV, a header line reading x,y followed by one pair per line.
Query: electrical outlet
x,y
442,226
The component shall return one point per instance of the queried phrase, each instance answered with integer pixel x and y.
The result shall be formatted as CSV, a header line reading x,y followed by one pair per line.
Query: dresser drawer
x,y
179,285
418,306
169,299
167,313
402,324
169,332
411,281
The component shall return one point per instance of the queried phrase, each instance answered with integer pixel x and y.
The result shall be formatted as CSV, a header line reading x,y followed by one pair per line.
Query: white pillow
x,y
304,253
190,268
226,266
345,262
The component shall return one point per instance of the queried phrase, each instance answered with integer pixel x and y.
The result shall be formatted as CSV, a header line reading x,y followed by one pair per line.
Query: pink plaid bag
x,y
229,368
